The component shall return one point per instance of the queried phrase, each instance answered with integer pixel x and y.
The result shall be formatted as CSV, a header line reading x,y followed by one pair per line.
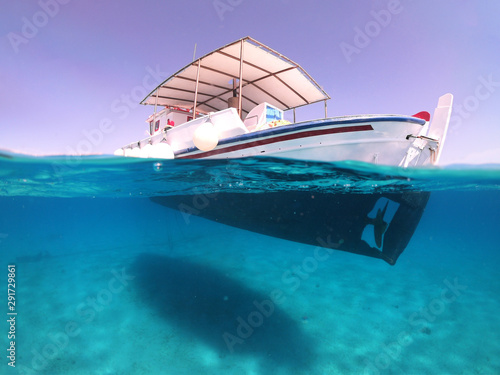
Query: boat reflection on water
x,y
379,225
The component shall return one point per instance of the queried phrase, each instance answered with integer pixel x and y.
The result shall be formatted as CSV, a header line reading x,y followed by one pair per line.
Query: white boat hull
x,y
380,139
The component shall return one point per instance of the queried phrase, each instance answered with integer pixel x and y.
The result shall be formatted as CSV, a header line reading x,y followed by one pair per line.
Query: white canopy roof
x,y
267,76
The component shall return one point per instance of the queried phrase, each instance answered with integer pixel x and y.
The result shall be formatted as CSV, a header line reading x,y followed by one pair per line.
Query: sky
x,y
72,72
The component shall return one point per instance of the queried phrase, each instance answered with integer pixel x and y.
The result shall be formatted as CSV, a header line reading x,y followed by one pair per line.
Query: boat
x,y
231,103
375,225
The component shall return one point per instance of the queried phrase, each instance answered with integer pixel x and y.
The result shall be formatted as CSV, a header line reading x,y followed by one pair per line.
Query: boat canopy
x,y
244,66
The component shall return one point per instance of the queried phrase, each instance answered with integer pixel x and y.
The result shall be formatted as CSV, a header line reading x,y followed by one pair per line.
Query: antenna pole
x,y
241,79
194,52
196,89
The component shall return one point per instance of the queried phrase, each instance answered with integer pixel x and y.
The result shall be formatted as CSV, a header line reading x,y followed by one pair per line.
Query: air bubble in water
x,y
158,166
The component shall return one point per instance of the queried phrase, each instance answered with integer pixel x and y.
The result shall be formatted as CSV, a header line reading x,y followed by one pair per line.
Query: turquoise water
x,y
108,282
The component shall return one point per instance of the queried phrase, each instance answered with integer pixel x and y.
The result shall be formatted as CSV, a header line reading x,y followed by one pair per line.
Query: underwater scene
x,y
247,266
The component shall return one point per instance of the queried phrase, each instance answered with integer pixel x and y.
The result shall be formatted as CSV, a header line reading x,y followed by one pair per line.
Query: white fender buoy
x,y
134,152
145,151
161,151
205,137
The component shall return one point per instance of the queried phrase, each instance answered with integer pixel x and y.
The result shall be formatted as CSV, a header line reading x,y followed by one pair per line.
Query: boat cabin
x,y
168,118
257,119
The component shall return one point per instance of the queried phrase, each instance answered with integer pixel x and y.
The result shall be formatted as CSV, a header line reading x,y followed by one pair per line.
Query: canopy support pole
x,y
294,121
196,89
156,105
326,110
241,78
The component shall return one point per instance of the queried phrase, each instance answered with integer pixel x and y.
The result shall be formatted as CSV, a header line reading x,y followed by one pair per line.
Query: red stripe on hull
x,y
286,137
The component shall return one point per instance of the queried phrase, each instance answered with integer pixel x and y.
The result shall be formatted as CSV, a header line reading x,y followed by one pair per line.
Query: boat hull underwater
x,y
375,225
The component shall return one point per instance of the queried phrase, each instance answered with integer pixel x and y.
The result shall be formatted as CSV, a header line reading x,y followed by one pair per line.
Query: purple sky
x,y
73,71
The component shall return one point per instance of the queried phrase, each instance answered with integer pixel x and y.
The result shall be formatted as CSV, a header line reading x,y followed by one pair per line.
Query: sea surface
x,y
109,282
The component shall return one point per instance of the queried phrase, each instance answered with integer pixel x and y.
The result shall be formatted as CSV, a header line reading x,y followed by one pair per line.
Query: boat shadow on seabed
x,y
222,312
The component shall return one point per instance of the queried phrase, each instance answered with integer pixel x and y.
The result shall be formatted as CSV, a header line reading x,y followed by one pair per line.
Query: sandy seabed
x,y
206,298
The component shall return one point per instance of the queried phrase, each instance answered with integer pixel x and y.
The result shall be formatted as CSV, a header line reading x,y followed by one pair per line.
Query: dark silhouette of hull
x,y
375,225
